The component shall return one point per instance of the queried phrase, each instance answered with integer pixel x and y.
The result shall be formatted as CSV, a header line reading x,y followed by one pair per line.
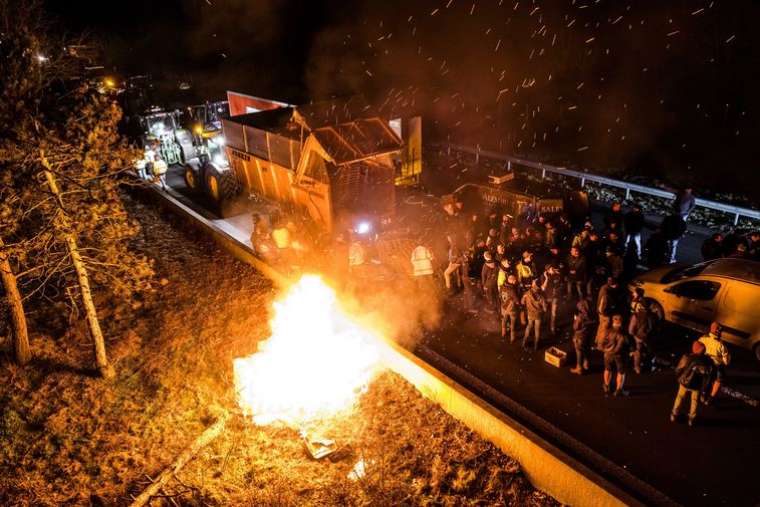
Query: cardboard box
x,y
555,357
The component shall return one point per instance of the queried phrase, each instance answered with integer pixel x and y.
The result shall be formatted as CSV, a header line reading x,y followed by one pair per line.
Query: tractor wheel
x,y
222,185
192,178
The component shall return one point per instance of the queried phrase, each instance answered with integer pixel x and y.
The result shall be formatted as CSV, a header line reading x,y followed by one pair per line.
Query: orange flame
x,y
315,363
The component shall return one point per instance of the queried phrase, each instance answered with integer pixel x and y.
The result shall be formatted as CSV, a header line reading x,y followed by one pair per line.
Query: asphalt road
x,y
709,464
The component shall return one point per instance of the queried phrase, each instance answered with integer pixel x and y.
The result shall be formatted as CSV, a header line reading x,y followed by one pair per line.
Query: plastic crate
x,y
555,357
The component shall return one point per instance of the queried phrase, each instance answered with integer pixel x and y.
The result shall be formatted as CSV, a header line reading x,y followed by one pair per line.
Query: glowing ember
x,y
314,364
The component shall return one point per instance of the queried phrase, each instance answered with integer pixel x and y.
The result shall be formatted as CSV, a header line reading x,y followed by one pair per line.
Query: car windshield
x,y
683,272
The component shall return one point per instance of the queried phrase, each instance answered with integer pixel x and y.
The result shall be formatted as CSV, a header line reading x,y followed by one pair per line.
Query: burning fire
x,y
314,364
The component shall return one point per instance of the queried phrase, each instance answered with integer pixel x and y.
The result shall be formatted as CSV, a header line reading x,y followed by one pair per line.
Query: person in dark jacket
x,y
534,303
614,345
614,262
510,307
693,371
551,285
594,249
684,203
489,277
634,224
613,220
583,330
576,272
551,236
656,250
673,228
640,327
614,241
712,248
611,301
753,252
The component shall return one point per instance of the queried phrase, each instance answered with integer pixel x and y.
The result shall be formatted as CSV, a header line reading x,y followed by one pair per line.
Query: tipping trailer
x,y
338,174
336,162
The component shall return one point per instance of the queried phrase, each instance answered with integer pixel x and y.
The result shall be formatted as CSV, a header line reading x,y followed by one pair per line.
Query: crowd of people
x,y
525,272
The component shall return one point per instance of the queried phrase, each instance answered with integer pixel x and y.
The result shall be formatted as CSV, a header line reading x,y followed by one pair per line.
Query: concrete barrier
x,y
546,466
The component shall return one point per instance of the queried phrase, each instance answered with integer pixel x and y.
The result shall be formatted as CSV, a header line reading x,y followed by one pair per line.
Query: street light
x,y
41,58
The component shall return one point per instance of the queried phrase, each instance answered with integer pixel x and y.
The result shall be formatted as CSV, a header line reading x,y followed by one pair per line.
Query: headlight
x,y
220,160
363,227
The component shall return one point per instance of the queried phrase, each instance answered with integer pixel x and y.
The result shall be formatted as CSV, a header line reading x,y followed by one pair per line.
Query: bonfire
x,y
315,364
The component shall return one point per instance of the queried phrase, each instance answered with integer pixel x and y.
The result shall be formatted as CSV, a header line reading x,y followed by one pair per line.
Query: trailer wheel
x,y
192,178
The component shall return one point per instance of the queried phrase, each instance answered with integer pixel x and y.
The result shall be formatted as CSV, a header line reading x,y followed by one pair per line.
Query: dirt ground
x,y
68,438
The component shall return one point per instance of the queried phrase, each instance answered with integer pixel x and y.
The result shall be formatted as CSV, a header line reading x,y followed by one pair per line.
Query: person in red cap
x,y
693,372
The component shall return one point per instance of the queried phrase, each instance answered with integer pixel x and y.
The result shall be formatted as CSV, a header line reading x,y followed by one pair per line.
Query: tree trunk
x,y
101,359
206,437
21,351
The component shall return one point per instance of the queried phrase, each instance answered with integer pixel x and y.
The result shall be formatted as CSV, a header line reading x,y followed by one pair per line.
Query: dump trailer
x,y
340,174
516,199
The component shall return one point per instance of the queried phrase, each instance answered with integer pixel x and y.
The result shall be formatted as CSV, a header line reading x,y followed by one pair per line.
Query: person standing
x,y
614,345
694,371
551,286
640,327
613,220
422,267
504,271
583,329
576,272
684,203
712,248
159,172
614,262
455,264
510,307
754,246
673,229
634,224
656,250
489,277
551,236
534,303
717,351
610,302
526,270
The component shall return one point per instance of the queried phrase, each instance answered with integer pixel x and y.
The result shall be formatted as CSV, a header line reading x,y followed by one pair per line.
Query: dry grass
x,y
67,438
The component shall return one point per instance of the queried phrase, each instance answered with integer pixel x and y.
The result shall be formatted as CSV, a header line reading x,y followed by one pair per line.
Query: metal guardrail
x,y
736,211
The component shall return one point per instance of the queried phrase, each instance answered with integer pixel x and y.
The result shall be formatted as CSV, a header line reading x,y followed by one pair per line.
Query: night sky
x,y
661,88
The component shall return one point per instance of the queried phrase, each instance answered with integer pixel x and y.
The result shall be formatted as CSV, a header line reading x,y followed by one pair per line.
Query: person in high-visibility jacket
x,y
159,172
505,269
422,267
422,261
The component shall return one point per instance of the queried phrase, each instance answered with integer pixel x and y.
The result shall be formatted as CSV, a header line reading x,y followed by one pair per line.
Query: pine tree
x,y
62,160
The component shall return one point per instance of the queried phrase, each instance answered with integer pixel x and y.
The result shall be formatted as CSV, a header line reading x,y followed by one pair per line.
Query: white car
x,y
726,290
